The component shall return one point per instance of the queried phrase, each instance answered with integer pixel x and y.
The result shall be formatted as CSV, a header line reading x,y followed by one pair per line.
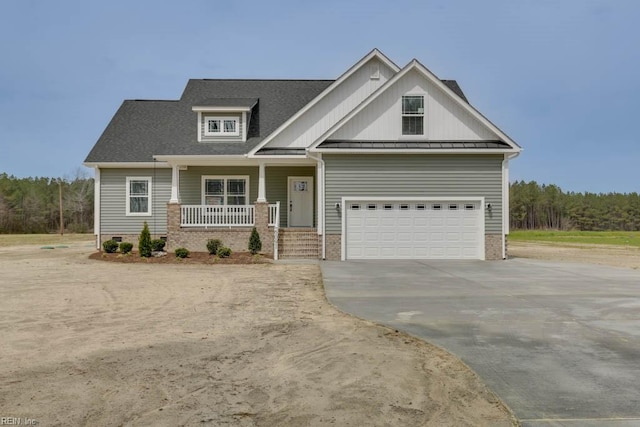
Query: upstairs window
x,y
413,115
221,126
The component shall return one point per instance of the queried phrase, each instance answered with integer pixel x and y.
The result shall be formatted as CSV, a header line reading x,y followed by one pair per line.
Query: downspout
x,y
505,200
320,179
96,207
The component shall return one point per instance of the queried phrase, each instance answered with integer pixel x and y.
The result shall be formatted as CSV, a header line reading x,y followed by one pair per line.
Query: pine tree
x,y
144,242
255,245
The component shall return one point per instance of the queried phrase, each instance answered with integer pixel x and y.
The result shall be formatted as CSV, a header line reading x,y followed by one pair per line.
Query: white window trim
x,y
225,177
222,131
423,115
128,196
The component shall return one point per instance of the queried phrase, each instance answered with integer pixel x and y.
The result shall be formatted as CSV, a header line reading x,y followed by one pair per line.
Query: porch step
x,y
298,243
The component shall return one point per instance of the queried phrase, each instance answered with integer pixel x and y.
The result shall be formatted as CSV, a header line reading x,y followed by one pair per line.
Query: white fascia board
x,y
234,160
221,109
409,151
375,53
121,165
415,65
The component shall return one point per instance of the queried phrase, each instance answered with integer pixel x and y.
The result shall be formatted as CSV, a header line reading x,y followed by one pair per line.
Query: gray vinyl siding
x,y
277,184
113,190
414,176
191,181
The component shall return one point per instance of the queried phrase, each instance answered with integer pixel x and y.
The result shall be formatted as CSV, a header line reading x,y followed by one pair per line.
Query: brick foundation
x,y
333,247
493,246
236,238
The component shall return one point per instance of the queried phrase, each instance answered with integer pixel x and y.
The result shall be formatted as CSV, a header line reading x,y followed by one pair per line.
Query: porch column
x,y
262,187
175,180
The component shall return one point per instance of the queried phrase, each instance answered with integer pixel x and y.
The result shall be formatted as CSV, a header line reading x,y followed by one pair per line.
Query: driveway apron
x,y
558,342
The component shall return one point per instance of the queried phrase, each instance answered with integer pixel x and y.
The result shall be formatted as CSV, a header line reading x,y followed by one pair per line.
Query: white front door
x,y
300,206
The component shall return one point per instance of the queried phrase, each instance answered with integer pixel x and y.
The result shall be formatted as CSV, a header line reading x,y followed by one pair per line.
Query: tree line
x,y
32,205
534,206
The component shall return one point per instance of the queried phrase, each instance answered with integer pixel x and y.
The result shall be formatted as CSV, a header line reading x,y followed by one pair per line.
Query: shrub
x,y
110,246
144,242
224,252
213,245
126,247
255,245
158,245
182,252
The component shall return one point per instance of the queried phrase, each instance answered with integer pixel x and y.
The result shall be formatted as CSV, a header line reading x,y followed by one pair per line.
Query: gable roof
x,y
141,129
446,86
375,53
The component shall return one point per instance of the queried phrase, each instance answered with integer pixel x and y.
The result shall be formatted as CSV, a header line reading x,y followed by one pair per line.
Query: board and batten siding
x,y
113,193
191,181
334,106
413,175
444,118
277,187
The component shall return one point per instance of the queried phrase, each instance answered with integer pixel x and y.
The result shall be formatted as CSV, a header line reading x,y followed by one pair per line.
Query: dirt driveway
x,y
94,343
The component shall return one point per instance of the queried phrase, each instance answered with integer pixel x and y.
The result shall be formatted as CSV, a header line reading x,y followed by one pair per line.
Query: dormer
x,y
224,119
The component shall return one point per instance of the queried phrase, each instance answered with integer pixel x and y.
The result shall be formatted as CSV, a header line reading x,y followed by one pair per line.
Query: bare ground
x,y
92,343
617,256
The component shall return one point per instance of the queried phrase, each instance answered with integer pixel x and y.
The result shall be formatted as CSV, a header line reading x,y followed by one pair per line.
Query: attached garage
x,y
388,228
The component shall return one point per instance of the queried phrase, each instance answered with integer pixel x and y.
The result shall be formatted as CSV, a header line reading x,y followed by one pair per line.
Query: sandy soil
x,y
94,343
617,256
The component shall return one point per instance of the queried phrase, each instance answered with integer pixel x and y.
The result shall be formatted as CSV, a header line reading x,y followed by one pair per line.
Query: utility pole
x,y
61,216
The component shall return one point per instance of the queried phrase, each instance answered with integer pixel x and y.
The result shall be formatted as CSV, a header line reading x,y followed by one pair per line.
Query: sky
x,y
560,77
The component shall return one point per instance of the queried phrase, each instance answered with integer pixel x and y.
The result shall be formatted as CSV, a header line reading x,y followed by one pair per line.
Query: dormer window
x,y
221,126
224,119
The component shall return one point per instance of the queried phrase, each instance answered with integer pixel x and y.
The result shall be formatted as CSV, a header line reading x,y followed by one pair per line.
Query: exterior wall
x,y
414,176
113,219
333,107
191,181
277,187
493,246
444,118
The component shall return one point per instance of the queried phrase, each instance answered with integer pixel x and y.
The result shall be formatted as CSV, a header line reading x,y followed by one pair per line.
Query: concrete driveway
x,y
558,342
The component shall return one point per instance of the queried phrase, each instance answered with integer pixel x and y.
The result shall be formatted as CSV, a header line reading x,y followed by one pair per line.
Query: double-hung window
x,y
413,115
138,200
221,126
225,190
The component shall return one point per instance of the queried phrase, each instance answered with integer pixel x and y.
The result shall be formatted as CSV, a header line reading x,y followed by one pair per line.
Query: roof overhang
x,y
209,109
121,165
232,160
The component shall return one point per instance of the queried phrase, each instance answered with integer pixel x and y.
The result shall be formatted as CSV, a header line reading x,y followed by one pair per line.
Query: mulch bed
x,y
193,258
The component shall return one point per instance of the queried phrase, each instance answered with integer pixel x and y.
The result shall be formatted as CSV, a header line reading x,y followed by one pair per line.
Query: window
x,y
436,206
388,207
420,207
372,207
413,115
355,207
138,196
469,207
221,126
404,207
453,207
221,190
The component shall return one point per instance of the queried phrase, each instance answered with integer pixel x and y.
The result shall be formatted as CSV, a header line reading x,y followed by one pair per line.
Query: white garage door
x,y
414,230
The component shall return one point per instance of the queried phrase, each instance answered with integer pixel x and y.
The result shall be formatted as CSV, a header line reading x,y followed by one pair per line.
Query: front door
x,y
300,207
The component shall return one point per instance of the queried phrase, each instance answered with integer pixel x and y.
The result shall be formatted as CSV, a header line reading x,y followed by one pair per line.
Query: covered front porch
x,y
225,200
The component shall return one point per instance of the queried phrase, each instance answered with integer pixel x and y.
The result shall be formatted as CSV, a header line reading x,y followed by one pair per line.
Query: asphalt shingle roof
x,y
141,129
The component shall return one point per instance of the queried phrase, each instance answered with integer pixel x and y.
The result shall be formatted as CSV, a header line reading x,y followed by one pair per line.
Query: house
x,y
382,163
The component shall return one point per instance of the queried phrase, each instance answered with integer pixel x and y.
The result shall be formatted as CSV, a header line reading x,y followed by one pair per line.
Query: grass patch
x,y
620,238
43,239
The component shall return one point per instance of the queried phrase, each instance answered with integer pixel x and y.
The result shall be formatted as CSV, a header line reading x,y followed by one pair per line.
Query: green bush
x,y
110,246
182,252
255,244
126,247
224,252
158,245
213,245
144,242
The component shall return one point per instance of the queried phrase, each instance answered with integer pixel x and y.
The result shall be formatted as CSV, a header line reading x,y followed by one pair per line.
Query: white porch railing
x,y
217,216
